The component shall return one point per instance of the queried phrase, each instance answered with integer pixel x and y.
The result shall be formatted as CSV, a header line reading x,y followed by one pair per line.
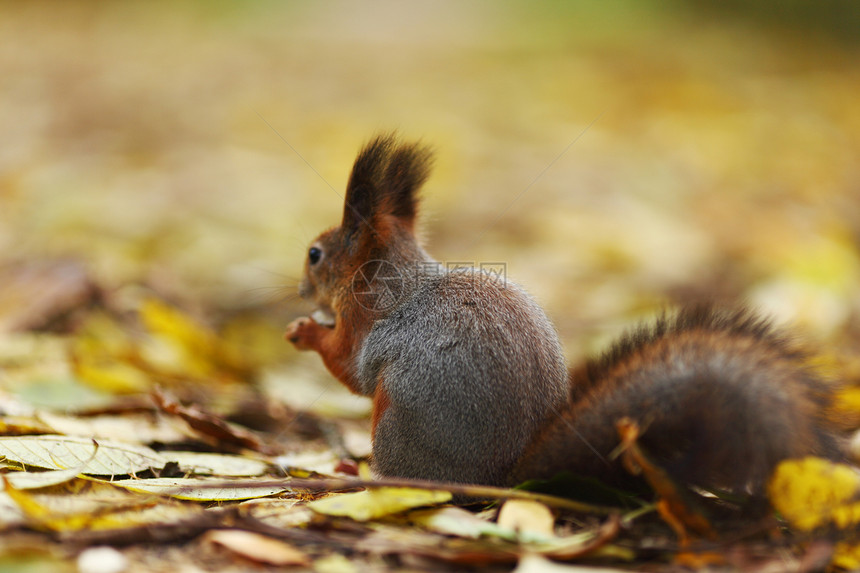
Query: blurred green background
x,y
617,156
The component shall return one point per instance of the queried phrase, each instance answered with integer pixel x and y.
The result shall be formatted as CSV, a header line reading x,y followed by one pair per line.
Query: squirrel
x,y
468,379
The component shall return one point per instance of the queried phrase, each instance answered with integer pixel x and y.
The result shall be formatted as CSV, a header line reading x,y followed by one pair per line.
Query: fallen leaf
x,y
201,489
531,563
316,460
848,400
388,540
62,286
452,520
532,521
346,466
376,503
591,541
201,463
23,426
847,556
108,375
130,427
61,513
336,563
210,427
813,492
357,441
180,345
100,457
278,512
37,480
10,514
257,547
187,344
102,355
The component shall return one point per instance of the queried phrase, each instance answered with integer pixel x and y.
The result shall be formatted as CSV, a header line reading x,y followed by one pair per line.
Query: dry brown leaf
x,y
284,513
257,547
210,427
60,286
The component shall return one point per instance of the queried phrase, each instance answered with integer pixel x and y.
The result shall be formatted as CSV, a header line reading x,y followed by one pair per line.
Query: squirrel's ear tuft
x,y
407,169
385,180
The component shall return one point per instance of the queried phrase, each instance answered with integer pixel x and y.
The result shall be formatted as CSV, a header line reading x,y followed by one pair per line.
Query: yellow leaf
x,y
364,471
829,260
848,400
375,503
100,357
251,341
25,502
180,344
813,492
110,376
847,556
107,514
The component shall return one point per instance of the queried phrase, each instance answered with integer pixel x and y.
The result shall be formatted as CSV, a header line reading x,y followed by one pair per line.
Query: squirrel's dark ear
x,y
384,181
362,195
407,170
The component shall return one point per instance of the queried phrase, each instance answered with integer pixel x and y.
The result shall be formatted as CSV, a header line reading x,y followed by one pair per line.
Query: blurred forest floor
x,y
164,165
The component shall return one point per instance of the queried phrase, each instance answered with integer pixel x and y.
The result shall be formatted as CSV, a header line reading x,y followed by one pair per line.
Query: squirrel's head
x,y
378,222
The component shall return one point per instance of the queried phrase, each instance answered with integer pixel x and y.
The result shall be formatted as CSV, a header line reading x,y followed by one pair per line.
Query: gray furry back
x,y
450,369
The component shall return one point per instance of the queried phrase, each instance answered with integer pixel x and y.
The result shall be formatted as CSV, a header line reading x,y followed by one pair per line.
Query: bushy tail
x,y
720,398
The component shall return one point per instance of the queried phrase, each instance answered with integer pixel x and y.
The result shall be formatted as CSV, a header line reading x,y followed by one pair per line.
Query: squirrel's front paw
x,y
303,333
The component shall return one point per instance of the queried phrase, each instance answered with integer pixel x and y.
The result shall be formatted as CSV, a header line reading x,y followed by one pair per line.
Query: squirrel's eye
x,y
314,255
